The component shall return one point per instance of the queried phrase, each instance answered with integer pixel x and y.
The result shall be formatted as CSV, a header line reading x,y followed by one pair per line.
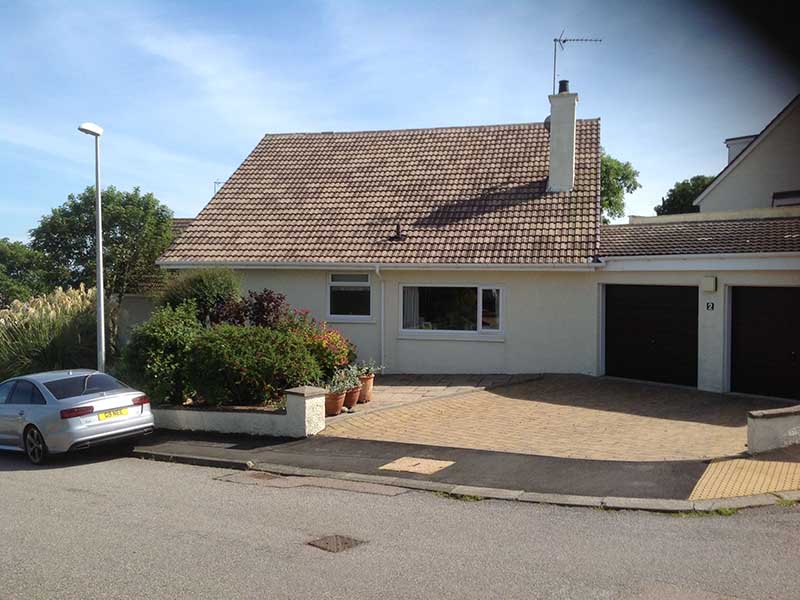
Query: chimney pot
x,y
563,86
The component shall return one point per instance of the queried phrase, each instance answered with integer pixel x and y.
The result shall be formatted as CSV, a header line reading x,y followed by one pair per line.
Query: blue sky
x,y
185,90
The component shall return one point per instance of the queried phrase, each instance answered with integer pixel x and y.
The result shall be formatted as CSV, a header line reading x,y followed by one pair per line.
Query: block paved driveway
x,y
569,416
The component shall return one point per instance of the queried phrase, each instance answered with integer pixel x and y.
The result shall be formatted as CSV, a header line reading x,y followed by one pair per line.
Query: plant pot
x,y
366,388
334,404
351,397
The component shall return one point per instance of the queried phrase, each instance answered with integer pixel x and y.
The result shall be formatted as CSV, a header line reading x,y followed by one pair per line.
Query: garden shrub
x,y
247,365
155,358
54,331
262,309
208,288
328,346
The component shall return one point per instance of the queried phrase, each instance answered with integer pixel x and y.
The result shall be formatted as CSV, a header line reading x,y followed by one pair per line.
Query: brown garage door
x,y
651,333
765,341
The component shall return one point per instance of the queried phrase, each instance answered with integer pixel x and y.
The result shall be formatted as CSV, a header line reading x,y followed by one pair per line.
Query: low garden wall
x,y
772,429
304,416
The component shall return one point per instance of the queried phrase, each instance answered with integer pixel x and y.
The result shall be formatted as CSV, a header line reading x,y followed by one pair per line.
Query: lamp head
x,y
91,129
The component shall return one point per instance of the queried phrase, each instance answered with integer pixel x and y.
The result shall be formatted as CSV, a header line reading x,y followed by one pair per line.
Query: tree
x,y
137,228
680,199
22,272
617,178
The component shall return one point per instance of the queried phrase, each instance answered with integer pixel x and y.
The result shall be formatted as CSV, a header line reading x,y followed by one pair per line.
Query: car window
x,y
36,397
22,394
5,390
83,385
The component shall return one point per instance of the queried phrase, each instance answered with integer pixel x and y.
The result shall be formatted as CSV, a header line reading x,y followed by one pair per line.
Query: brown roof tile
x,y
463,195
701,237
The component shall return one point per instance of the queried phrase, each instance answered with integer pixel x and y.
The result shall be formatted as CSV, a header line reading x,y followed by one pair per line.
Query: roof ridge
x,y
500,126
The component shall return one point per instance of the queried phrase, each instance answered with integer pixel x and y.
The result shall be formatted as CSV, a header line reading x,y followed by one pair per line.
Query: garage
x,y
765,341
651,333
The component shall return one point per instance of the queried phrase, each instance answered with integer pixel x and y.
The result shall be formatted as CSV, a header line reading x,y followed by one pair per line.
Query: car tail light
x,y
79,411
139,400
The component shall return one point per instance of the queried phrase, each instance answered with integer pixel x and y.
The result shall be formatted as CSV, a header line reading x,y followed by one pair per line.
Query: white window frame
x,y
348,318
479,333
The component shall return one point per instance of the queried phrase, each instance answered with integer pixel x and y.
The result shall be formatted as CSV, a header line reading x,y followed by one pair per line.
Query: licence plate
x,y
112,414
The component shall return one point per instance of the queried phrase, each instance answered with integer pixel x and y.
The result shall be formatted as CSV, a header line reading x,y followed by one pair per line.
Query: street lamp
x,y
96,131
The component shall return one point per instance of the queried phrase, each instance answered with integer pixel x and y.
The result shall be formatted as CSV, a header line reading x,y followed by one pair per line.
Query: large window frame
x,y
331,284
479,333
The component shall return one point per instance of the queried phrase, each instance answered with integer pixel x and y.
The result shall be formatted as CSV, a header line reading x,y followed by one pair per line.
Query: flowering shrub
x,y
328,346
54,331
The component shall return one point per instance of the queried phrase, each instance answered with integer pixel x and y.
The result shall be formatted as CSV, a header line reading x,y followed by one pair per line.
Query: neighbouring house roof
x,y
748,148
461,195
701,237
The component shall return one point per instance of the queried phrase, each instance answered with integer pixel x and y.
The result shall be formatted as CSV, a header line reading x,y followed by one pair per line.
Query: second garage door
x,y
651,333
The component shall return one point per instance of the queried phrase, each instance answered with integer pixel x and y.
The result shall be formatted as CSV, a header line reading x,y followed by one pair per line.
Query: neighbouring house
x,y
481,250
137,306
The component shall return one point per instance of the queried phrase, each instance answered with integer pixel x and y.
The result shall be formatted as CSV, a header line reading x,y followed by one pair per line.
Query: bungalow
x,y
481,250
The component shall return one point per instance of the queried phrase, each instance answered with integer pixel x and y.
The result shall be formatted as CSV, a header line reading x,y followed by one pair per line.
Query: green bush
x,y
230,364
208,288
55,331
155,358
328,346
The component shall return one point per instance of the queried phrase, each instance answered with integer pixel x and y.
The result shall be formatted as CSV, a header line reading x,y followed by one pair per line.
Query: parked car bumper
x,y
80,438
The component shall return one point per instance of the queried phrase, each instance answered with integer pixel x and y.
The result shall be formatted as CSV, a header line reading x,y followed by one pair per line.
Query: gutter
x,y
382,319
328,266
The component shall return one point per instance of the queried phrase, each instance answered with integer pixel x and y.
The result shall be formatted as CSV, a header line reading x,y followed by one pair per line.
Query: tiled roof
x,y
463,195
701,237
154,283
179,225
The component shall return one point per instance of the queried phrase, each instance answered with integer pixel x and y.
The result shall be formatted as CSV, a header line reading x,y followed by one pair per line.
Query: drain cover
x,y
335,543
411,464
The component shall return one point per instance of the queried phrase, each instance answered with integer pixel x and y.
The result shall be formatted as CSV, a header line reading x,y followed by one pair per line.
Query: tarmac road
x,y
96,526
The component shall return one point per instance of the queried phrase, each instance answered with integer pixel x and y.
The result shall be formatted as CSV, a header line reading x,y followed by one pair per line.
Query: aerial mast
x,y
559,42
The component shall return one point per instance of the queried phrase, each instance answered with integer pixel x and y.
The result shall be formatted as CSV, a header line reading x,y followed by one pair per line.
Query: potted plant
x,y
354,389
336,389
366,375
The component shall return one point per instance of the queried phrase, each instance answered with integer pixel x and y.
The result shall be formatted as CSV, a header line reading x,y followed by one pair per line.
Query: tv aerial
x,y
559,42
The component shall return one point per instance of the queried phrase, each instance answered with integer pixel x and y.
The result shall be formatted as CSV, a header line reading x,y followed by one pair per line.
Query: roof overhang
x,y
742,261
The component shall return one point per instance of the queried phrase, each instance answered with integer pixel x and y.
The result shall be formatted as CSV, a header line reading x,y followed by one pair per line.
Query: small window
x,y
451,308
349,295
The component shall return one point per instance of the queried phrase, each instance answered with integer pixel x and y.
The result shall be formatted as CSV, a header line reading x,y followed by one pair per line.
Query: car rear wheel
x,y
35,446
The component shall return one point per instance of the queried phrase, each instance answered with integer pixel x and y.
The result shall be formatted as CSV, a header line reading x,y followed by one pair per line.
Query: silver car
x,y
60,411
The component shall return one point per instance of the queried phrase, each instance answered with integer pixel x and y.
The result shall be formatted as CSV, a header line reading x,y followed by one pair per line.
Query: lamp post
x,y
96,131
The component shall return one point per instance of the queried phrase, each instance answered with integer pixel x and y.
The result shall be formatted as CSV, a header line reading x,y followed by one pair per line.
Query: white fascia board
x,y
779,118
750,261
381,266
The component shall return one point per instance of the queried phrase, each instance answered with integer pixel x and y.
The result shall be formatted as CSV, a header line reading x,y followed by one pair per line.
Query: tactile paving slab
x,y
743,477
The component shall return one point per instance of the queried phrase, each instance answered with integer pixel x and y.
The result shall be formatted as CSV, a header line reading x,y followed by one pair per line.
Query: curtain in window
x,y
411,308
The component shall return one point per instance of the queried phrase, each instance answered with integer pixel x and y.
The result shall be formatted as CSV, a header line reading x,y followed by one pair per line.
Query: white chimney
x,y
562,139
737,144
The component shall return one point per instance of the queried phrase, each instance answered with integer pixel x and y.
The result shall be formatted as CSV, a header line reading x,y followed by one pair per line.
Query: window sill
x,y
353,320
452,336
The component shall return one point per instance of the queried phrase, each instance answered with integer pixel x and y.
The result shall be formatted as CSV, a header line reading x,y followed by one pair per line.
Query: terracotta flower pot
x,y
366,388
333,404
351,397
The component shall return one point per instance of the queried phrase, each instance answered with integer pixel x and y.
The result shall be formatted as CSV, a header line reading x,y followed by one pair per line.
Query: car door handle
x,y
21,413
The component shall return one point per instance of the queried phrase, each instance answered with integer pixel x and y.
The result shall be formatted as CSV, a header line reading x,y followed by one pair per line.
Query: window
x,y
5,390
25,393
451,308
349,296
83,385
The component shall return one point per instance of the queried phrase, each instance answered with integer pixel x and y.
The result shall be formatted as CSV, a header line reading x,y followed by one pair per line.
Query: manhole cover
x,y
335,543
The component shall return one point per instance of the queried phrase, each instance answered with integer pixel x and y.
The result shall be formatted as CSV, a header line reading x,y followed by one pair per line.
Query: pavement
x,y
99,526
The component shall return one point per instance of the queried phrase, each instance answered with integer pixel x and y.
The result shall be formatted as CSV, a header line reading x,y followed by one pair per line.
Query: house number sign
x,y
709,306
